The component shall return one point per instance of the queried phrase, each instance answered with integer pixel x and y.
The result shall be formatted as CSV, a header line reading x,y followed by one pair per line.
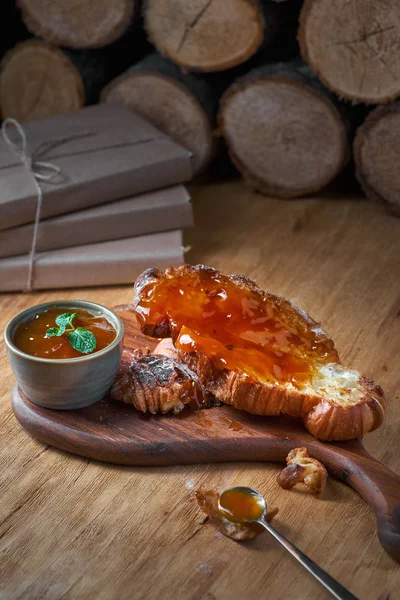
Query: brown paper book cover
x,y
156,211
104,152
105,263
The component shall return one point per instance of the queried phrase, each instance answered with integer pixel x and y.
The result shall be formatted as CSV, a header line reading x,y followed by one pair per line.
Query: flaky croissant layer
x,y
293,367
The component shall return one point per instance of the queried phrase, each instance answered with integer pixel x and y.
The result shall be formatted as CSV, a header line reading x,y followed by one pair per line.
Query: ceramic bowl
x,y
65,383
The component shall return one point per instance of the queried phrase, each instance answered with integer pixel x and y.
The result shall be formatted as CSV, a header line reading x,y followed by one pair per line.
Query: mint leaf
x,y
82,340
53,331
65,320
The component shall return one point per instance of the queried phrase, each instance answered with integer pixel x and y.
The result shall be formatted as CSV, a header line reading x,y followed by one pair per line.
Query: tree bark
x,y
182,105
217,36
352,45
39,80
376,155
285,132
83,24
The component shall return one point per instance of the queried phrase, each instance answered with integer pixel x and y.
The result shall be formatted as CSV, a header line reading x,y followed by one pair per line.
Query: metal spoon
x,y
259,509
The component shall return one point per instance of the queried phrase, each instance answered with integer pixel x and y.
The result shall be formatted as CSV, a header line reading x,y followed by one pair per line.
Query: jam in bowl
x,y
65,354
57,333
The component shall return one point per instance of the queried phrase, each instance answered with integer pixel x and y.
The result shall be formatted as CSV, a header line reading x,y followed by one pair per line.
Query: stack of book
x,y
116,207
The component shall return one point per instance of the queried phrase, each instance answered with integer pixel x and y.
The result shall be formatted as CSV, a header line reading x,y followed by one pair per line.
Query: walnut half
x,y
301,468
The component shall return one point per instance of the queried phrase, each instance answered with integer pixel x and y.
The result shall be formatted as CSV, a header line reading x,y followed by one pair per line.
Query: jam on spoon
x,y
245,505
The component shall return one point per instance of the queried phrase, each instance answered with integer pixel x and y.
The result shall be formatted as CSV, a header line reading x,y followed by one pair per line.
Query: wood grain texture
x,y
114,432
83,24
285,132
182,105
75,528
30,82
352,46
375,151
209,35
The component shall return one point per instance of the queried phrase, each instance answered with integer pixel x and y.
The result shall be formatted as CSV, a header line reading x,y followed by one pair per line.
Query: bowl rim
x,y
18,318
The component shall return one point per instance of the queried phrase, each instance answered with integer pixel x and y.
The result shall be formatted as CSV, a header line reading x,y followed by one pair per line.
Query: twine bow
x,y
36,167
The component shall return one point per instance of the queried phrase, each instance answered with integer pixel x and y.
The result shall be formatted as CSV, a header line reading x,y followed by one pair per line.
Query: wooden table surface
x,y
74,528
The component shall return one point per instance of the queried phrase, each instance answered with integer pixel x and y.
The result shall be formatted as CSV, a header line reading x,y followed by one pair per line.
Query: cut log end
x,y
180,105
211,35
38,81
169,107
85,24
376,155
352,45
287,139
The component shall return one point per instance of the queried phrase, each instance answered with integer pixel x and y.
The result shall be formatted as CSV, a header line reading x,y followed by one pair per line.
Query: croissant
x,y
157,384
257,351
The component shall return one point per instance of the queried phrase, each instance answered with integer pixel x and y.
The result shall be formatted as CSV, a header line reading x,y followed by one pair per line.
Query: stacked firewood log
x,y
294,90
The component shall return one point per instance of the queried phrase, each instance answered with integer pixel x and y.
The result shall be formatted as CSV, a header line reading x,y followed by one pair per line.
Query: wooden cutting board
x,y
113,432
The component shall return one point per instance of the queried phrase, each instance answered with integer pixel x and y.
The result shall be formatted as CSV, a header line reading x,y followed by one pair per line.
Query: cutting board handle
x,y
134,441
384,494
380,488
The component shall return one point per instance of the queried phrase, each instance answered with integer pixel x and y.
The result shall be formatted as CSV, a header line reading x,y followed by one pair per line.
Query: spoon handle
x,y
333,586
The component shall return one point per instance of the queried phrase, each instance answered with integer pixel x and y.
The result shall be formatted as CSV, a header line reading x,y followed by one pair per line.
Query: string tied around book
x,y
41,171
48,173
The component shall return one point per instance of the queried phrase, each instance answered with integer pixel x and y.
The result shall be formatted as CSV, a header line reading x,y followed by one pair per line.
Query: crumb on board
x,y
208,502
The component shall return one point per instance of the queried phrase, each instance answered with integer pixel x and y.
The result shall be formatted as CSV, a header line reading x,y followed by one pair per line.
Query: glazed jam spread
x,y
240,505
238,329
30,337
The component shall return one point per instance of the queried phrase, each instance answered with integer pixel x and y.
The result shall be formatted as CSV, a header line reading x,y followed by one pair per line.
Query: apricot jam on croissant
x,y
235,324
